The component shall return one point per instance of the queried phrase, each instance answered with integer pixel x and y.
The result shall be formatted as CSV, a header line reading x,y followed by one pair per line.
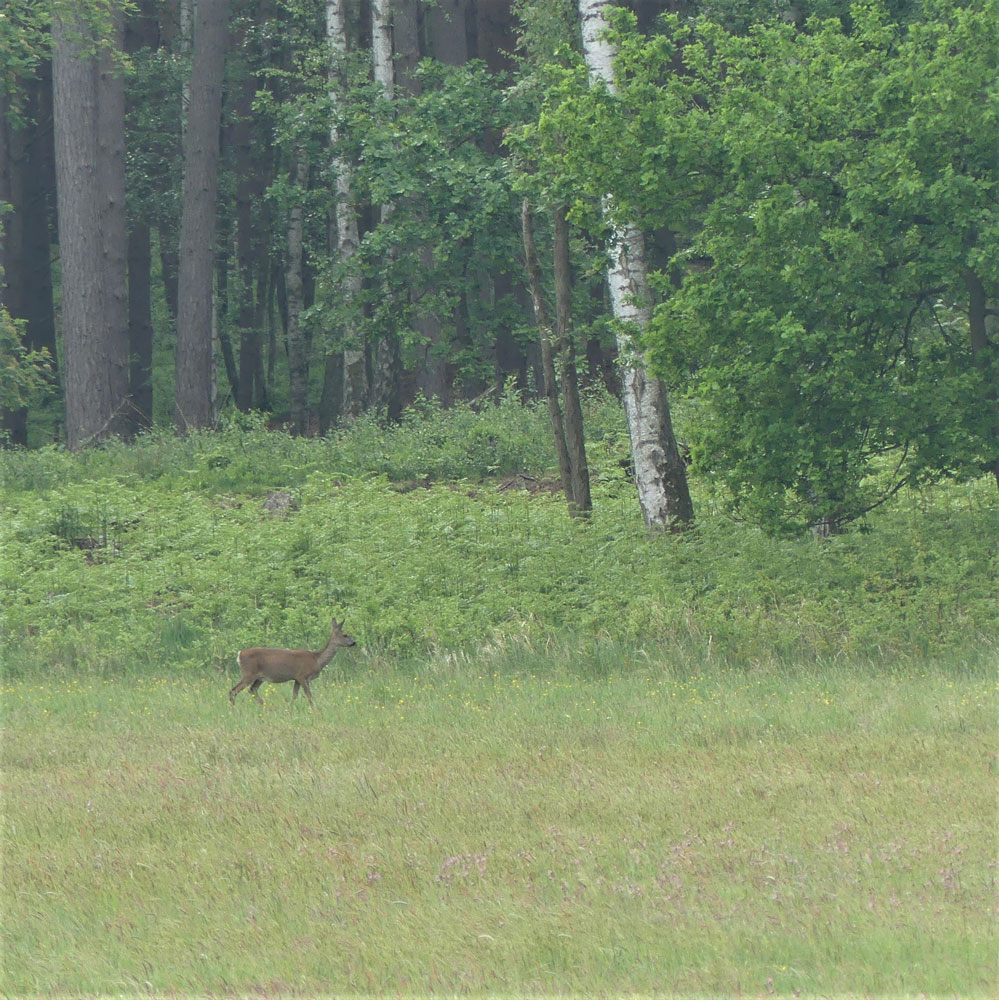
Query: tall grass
x,y
475,827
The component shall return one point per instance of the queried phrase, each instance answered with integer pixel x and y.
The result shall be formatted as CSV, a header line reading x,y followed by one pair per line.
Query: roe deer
x,y
278,665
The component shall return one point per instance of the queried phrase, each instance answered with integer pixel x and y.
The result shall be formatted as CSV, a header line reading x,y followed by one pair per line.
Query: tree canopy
x,y
832,193
814,185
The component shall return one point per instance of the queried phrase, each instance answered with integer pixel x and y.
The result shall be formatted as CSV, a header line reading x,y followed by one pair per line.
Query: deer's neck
x,y
325,655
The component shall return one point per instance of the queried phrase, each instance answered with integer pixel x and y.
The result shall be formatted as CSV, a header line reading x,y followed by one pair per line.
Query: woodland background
x,y
317,210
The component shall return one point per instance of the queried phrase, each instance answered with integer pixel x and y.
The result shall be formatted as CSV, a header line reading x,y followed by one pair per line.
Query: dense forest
x,y
778,218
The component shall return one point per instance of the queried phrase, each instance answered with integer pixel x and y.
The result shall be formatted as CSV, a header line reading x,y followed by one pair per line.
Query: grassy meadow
x,y
562,759
477,830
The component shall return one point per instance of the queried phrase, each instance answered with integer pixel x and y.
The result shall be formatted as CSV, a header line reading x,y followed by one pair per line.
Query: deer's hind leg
x,y
235,691
236,688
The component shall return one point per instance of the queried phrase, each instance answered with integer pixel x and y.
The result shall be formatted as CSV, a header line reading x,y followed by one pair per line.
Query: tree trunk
x,y
446,39
298,359
447,28
431,371
89,106
195,356
660,474
140,325
570,382
141,32
223,311
381,47
169,265
268,291
406,44
355,377
252,177
331,400
386,383
547,356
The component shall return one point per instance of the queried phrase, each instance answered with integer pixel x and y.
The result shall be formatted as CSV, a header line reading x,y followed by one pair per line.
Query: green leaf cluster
x,y
24,374
832,192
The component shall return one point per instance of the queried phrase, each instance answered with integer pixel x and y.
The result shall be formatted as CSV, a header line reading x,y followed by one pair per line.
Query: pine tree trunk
x,y
89,111
660,474
251,182
298,360
195,368
140,33
140,325
406,44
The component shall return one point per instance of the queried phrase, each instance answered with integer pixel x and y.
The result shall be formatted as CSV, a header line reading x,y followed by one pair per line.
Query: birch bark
x,y
660,475
355,377
386,378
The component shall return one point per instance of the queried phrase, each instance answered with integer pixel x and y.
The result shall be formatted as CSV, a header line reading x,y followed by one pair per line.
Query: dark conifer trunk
x,y
89,106
141,32
140,325
547,354
298,359
579,471
195,350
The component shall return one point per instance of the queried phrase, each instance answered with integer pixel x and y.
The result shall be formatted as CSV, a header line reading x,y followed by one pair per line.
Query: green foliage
x,y
23,42
24,374
833,192
434,157
461,442
119,558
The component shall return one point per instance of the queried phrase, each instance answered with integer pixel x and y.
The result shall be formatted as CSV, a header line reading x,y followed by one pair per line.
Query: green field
x,y
473,829
562,759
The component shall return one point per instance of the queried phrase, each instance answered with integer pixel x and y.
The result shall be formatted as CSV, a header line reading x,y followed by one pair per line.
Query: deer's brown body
x,y
260,663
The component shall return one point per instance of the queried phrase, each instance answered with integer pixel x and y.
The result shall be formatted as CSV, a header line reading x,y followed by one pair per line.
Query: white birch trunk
x,y
385,388
355,379
381,46
185,42
659,471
